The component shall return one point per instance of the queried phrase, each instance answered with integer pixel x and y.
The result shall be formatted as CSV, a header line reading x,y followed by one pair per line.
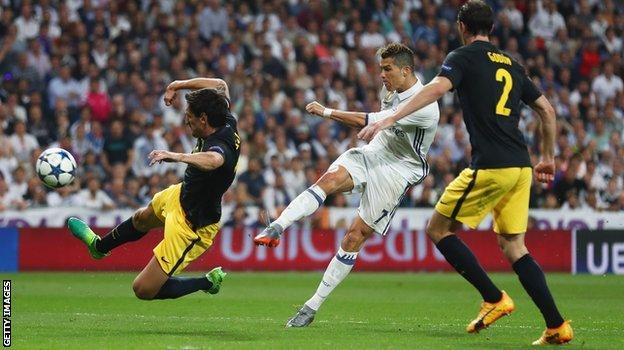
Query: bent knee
x,y
440,226
141,220
513,253
512,246
353,240
142,291
329,181
333,181
435,233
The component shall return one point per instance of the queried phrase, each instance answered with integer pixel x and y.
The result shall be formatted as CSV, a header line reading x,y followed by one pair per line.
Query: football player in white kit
x,y
383,171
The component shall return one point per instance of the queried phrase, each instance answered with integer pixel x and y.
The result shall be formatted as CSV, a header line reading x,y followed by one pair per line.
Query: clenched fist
x,y
315,108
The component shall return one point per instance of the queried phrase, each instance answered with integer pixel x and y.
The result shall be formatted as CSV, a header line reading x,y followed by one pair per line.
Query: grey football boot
x,y
303,318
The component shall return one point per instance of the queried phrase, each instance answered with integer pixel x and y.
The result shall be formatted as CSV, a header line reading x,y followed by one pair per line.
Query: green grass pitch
x,y
367,311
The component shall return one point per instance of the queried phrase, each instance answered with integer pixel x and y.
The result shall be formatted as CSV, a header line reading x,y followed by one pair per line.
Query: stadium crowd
x,y
89,76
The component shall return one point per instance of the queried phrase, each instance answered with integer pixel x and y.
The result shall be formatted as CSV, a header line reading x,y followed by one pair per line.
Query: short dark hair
x,y
477,16
209,102
403,55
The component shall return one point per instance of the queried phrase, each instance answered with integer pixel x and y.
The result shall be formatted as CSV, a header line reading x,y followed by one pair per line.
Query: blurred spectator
x,y
513,15
213,19
5,199
93,197
14,198
572,202
62,197
8,162
133,188
121,197
117,148
27,25
612,42
95,138
275,198
254,179
39,127
22,142
590,58
98,101
14,109
91,165
35,196
568,182
173,116
80,143
89,76
424,196
546,21
237,218
294,176
242,196
611,196
146,143
275,167
23,70
65,87
607,85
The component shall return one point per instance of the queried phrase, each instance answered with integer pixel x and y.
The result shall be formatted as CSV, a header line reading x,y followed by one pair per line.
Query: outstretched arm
x,y
205,161
430,93
194,84
545,169
353,119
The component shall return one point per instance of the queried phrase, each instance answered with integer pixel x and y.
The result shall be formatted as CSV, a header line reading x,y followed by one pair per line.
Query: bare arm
x,y
545,169
205,161
546,113
430,93
194,84
353,119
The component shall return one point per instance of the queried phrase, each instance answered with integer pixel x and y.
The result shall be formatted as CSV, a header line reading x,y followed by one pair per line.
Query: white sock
x,y
338,268
305,204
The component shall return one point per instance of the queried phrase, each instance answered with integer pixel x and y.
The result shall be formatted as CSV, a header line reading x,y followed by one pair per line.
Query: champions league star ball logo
x,y
56,167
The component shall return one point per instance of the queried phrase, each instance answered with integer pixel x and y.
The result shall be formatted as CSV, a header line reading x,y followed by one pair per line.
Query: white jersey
x,y
405,145
394,161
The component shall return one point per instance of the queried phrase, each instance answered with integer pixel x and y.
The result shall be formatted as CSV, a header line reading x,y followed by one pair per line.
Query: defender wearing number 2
x,y
490,87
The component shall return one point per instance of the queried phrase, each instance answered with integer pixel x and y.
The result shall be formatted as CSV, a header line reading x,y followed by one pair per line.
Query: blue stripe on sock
x,y
318,198
345,259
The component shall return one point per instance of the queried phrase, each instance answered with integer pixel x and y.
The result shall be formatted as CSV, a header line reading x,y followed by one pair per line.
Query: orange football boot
x,y
559,335
490,312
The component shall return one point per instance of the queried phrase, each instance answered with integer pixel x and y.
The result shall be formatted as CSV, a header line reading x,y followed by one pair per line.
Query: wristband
x,y
327,112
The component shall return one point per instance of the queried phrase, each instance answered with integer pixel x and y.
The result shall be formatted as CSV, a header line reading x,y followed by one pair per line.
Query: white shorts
x,y
382,187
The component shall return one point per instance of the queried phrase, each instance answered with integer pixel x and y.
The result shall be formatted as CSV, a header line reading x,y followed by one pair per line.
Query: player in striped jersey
x,y
383,171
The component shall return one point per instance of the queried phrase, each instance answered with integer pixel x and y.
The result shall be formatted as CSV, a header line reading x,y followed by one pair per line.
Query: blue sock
x,y
176,287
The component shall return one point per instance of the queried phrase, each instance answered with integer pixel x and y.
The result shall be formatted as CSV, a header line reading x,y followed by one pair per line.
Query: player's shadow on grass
x,y
223,335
